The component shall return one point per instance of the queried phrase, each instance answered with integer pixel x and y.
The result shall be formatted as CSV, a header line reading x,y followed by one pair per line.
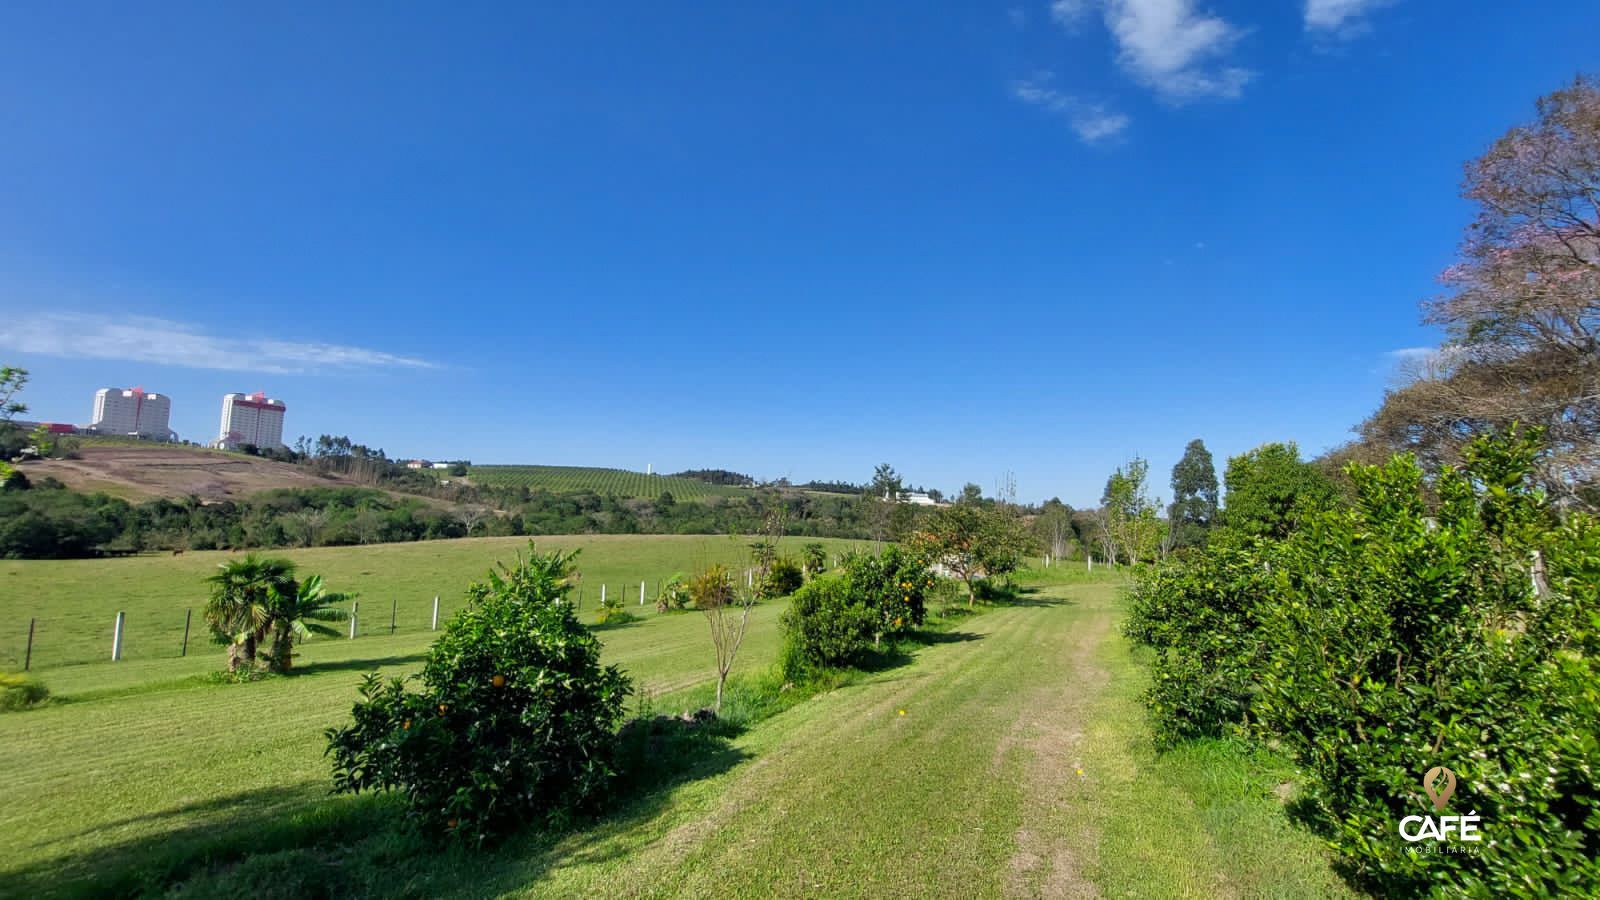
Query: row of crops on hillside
x,y
578,479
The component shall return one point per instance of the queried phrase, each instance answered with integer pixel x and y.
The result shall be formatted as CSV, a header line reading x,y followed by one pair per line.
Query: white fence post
x,y
602,595
435,612
641,593
354,604
116,637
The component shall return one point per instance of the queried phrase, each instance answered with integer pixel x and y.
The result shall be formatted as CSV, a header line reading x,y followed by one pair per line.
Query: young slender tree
x,y
1128,516
727,607
727,611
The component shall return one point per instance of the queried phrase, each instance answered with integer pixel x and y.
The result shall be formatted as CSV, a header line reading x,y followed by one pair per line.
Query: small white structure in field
x,y
917,498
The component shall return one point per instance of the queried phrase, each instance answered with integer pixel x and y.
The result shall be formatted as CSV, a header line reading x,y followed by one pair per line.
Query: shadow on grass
x,y
293,841
929,638
1039,601
367,664
616,624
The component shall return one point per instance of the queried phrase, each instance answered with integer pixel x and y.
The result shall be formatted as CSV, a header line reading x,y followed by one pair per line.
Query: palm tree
x,y
299,613
816,556
239,611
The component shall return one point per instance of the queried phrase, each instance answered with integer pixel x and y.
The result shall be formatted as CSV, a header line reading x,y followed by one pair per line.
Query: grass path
x,y
975,791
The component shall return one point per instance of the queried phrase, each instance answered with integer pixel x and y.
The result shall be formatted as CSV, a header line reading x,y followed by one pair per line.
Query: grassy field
x,y
75,602
1007,757
619,482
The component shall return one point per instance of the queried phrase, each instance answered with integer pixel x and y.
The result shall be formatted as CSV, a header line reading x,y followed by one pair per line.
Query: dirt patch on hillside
x,y
143,473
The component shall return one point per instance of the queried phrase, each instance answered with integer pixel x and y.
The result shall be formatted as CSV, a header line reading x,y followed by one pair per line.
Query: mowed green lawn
x,y
75,602
1007,758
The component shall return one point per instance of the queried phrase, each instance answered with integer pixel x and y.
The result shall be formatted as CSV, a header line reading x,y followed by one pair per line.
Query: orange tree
x,y
974,541
893,586
514,721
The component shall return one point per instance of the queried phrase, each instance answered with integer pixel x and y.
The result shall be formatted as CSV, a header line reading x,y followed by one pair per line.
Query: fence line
x,y
136,637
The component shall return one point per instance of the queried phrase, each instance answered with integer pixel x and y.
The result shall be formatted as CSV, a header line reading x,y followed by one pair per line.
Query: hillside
x,y
145,471
617,482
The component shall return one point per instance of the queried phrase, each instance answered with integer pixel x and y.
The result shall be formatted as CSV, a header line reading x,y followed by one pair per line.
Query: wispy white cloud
x,y
1411,353
1070,12
1174,49
151,340
1093,122
1169,46
1339,17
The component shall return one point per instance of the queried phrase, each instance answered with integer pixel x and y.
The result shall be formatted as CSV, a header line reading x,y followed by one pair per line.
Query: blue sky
x,y
788,239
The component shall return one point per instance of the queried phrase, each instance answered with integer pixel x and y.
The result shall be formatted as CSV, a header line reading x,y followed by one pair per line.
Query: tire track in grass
x,y
1049,736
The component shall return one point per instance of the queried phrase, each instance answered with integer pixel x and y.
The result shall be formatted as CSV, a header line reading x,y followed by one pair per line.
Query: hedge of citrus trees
x,y
1448,621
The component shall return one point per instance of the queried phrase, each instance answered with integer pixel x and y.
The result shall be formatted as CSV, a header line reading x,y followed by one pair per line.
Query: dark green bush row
x,y
46,520
1434,622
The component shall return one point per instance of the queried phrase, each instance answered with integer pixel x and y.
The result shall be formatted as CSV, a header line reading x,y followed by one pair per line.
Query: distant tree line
x,y
45,519
716,476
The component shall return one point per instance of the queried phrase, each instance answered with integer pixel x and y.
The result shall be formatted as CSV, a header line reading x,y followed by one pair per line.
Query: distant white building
x,y
132,411
251,419
917,498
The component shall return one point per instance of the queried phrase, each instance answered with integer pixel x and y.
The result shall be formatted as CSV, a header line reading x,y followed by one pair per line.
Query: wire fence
x,y
50,641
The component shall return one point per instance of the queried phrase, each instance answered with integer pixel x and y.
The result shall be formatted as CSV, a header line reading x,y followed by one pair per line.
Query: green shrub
x,y
816,558
823,628
834,621
894,585
674,595
612,612
1201,615
783,578
712,588
20,691
1452,622
513,722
